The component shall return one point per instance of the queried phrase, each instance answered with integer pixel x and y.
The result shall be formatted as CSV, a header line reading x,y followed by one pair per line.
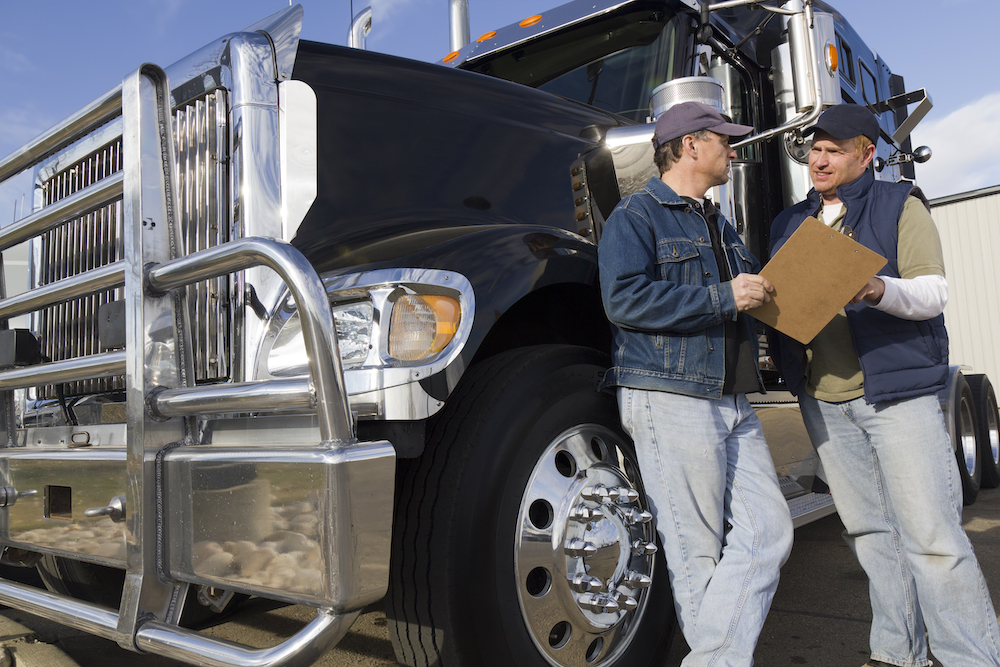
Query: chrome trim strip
x,y
303,648
57,372
555,19
282,28
91,197
336,422
234,398
104,277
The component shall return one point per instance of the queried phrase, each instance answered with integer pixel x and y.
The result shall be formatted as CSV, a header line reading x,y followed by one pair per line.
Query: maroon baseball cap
x,y
690,117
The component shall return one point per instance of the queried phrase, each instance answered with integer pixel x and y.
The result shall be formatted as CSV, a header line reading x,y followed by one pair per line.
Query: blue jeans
x,y
894,478
722,520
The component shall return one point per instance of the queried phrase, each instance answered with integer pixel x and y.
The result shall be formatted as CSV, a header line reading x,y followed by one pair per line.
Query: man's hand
x,y
870,293
750,291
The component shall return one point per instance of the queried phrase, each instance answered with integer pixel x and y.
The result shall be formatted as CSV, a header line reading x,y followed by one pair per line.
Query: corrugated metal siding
x,y
970,235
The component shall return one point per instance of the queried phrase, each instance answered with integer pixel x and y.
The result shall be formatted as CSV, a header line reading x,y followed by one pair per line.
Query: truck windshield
x,y
612,64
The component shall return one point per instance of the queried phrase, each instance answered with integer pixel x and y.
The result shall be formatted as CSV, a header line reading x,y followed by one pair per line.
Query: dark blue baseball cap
x,y
846,121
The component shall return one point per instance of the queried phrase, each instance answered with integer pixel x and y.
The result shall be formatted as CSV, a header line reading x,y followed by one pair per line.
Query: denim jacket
x,y
662,292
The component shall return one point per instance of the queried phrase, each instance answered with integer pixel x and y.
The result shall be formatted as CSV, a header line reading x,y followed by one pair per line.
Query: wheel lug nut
x,y
640,548
578,548
627,602
637,516
600,494
599,604
584,583
585,514
635,579
626,495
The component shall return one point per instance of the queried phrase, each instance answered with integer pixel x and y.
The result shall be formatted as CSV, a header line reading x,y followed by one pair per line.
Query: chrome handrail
x,y
69,370
335,420
83,121
303,648
91,618
234,398
104,277
73,206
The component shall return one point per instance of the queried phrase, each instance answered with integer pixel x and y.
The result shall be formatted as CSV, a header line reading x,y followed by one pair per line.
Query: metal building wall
x,y
969,224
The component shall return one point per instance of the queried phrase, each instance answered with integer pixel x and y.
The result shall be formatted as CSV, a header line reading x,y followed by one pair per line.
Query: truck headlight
x,y
354,332
393,326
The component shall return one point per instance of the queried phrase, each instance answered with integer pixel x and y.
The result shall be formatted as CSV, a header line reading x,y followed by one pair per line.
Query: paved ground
x,y
819,618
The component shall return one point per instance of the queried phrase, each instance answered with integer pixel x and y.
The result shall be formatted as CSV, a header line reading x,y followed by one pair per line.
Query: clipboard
x,y
815,274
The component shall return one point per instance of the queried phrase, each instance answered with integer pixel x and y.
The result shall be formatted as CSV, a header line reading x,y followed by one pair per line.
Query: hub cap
x,y
585,546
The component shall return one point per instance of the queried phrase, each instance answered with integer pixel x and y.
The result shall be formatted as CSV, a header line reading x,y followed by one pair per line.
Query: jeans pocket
x,y
625,408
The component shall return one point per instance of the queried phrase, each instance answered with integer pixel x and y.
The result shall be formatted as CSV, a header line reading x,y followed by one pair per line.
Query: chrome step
x,y
810,507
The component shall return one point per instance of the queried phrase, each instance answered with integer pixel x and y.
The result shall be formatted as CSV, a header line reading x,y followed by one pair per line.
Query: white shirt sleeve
x,y
919,298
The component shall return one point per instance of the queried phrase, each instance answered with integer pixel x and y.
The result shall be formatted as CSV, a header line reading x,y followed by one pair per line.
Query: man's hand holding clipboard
x,y
815,273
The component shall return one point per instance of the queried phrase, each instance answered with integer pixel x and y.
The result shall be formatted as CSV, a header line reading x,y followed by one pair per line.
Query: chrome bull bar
x,y
162,400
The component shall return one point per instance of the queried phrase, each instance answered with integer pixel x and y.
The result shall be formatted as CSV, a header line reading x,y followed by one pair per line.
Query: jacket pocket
x,y
677,261
745,260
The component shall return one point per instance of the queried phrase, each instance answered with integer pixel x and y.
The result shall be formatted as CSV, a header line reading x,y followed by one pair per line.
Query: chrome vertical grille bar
x,y
96,239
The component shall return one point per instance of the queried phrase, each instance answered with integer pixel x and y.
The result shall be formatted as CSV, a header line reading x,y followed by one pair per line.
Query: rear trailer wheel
x,y
522,536
988,424
966,442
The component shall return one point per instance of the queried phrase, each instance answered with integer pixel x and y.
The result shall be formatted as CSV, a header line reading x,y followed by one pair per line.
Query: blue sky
x,y
57,55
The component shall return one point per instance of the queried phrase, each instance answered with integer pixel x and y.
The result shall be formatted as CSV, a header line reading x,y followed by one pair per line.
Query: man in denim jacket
x,y
676,280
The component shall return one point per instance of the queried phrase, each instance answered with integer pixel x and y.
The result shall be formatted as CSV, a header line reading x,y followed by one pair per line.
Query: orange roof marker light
x,y
530,21
451,56
490,35
832,58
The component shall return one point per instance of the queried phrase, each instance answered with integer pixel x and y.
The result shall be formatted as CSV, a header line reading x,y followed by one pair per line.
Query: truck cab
x,y
323,326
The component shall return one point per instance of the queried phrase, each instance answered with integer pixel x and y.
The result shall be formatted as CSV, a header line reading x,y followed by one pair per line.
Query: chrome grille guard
x,y
162,399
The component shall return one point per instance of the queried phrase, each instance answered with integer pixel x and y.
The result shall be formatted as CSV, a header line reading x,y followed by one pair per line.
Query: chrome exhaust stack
x,y
458,11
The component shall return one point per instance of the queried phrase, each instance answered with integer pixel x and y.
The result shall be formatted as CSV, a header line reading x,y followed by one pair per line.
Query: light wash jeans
x,y
722,520
894,478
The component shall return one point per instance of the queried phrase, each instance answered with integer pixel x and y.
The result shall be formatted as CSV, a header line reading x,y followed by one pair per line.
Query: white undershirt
x,y
831,212
919,298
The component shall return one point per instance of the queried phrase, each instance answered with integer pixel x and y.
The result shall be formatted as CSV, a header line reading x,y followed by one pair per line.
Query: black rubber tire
x,y
988,424
85,581
102,585
453,597
967,446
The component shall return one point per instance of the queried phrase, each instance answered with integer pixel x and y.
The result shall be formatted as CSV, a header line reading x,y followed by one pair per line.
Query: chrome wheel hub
x,y
585,548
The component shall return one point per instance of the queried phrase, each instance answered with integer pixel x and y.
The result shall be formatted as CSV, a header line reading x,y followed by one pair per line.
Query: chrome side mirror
x,y
921,155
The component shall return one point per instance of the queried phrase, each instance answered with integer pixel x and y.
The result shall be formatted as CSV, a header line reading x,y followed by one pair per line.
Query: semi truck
x,y
323,326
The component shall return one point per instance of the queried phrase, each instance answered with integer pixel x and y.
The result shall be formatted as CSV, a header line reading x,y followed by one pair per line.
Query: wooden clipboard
x,y
815,274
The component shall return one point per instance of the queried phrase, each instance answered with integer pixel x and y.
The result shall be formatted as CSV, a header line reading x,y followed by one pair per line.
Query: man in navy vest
x,y
867,387
676,282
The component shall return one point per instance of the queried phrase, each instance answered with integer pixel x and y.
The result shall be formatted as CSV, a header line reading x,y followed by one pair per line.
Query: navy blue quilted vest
x,y
899,358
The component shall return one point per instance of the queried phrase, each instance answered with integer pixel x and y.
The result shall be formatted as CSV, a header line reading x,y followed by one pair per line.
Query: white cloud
x,y
966,144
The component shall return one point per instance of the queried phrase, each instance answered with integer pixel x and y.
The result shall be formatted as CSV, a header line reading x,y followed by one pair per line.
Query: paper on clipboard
x,y
815,274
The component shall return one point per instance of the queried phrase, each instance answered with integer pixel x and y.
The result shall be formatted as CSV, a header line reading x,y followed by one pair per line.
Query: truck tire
x,y
988,423
85,581
967,442
496,519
